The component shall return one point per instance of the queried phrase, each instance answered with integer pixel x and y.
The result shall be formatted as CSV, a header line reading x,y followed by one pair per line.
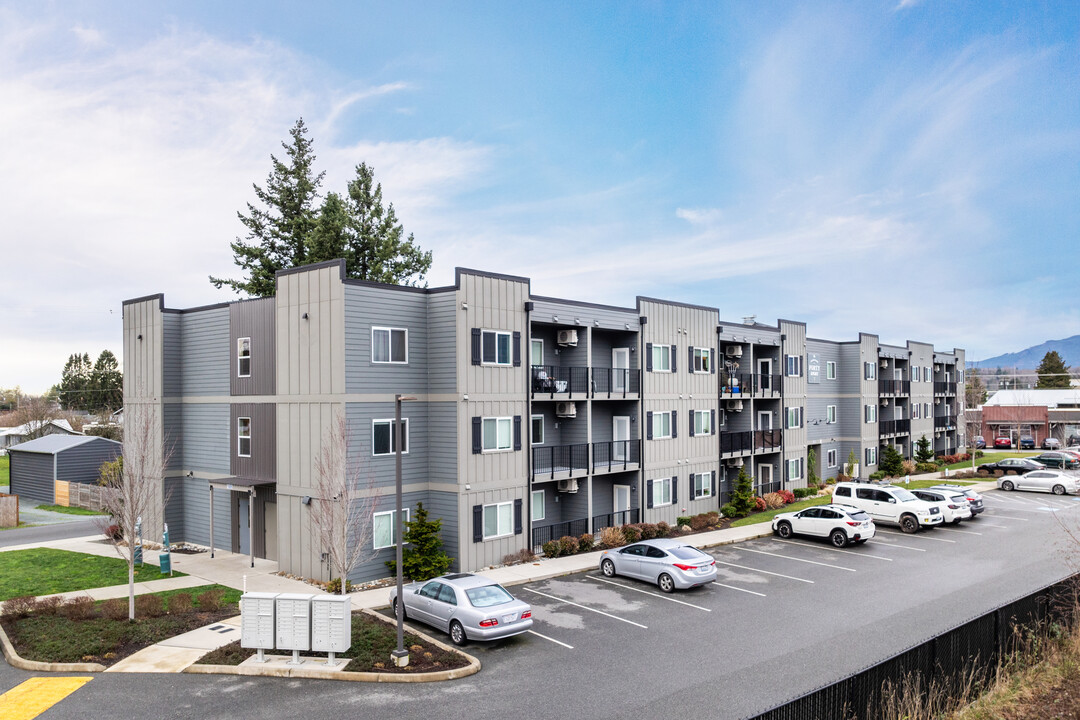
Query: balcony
x,y
615,456
557,462
750,441
894,388
900,426
741,385
615,383
947,389
944,422
767,440
575,528
563,383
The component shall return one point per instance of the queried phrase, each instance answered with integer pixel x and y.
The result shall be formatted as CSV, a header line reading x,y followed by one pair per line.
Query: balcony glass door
x,y
620,433
764,420
620,362
765,375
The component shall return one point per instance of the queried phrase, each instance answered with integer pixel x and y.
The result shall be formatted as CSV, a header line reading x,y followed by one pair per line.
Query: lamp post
x,y
400,656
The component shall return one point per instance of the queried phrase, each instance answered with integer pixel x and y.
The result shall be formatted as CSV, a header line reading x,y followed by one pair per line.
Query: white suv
x,y
954,505
889,504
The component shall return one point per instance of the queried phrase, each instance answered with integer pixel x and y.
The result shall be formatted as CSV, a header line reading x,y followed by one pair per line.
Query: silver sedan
x,y
1055,481
469,607
670,564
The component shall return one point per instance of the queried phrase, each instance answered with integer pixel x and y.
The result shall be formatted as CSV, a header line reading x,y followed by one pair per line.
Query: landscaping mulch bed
x,y
372,642
85,631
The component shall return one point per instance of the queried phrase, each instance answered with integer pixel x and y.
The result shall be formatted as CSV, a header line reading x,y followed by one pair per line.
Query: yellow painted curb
x,y
15,660
29,699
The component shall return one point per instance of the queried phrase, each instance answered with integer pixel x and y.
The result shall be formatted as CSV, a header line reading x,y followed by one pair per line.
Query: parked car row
x,y
1024,443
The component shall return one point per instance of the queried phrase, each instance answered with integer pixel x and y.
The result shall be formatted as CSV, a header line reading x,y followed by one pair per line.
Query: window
x,y
794,417
661,358
495,347
538,510
794,469
702,422
701,485
384,439
383,530
661,491
915,373
871,413
926,376
830,414
243,437
870,371
661,425
389,345
916,411
498,520
537,429
871,456
830,370
536,352
830,458
926,410
793,363
243,357
703,360
497,433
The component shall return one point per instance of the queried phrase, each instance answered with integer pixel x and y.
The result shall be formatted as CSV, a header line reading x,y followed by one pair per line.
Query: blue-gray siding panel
x,y
442,443
174,508
444,505
196,522
32,475
378,471
206,434
170,349
81,463
375,567
205,352
172,426
442,343
368,307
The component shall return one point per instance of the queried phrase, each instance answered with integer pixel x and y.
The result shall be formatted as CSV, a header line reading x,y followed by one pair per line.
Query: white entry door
x,y
622,504
620,362
620,433
764,420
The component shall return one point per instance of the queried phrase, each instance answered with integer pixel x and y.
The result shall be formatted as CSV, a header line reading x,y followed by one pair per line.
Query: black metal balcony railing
x,y
894,427
555,379
541,535
894,387
944,422
767,440
765,384
744,384
617,519
554,459
750,441
615,382
615,454
944,388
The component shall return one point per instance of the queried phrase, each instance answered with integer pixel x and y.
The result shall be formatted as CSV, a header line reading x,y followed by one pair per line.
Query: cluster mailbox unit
x,y
296,622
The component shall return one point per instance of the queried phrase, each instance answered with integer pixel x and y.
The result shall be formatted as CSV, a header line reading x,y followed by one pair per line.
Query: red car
x,y
1003,442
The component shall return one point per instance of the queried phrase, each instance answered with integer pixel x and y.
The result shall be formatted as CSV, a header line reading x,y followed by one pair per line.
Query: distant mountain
x,y
1069,349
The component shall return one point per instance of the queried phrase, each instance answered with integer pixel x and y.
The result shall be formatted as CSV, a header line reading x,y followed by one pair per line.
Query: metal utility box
x,y
331,623
293,621
257,624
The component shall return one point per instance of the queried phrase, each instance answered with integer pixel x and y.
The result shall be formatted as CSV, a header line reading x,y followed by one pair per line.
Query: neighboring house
x,y
534,417
37,465
20,433
1043,413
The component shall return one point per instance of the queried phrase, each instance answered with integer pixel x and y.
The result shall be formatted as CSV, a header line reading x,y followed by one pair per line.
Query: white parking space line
x,y
586,607
1025,509
922,535
953,529
646,592
1009,517
986,524
765,572
732,587
557,642
891,544
788,557
832,549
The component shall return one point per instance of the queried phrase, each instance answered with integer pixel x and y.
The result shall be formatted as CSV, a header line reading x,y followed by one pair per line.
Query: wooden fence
x,y
80,495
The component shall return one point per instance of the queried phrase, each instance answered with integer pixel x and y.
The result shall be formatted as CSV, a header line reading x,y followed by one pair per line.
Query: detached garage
x,y
38,464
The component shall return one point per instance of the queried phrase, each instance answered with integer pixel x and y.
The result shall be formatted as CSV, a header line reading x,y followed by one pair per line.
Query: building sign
x,y
813,368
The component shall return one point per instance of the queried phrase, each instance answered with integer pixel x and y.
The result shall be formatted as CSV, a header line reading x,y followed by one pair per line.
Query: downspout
x,y
783,413
642,322
527,353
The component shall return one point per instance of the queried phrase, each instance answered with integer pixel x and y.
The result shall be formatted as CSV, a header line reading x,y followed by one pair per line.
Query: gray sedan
x,y
469,607
670,564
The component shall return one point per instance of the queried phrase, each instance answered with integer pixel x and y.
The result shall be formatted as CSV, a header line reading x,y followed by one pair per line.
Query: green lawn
x,y
44,571
991,457
70,510
5,461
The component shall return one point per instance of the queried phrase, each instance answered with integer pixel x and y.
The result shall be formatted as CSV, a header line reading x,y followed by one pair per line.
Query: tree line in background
x,y
290,228
93,387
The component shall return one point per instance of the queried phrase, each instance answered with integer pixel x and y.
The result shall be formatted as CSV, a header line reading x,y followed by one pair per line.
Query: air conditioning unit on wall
x,y
734,405
884,364
734,462
884,402
568,486
733,351
566,409
567,337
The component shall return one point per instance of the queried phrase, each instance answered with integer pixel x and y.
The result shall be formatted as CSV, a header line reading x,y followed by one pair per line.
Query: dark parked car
x,y
1073,440
980,442
1027,443
1061,460
1016,465
1003,442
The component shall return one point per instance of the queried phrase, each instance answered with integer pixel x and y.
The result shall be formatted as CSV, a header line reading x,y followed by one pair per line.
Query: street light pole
x,y
399,656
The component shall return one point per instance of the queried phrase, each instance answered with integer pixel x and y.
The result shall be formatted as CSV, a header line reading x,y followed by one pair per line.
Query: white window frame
x,y
830,458
240,437
510,434
793,418
870,456
702,422
532,428
830,369
703,361
926,375
243,344
656,419
916,411
915,374
498,520
537,504
393,436
389,345
509,347
393,530
532,343
664,353
869,371
793,365
870,414
700,486
830,414
794,469
926,410
661,487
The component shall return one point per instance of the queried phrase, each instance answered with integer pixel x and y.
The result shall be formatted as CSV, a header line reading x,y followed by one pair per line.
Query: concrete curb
x,y
324,673
15,660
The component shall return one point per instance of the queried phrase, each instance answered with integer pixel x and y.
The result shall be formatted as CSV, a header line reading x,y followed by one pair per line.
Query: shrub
x,y
181,603
20,606
773,500
925,467
631,533
423,557
682,520
760,504
742,499
714,517
210,601
699,522
890,462
787,495
49,605
568,545
552,549
828,490
113,533
115,609
909,467
334,586
149,606
804,492
612,537
729,511
979,454
879,475
80,607
648,531
585,543
663,529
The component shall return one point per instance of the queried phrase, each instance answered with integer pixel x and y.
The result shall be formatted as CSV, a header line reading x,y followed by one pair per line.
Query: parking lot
x,y
784,608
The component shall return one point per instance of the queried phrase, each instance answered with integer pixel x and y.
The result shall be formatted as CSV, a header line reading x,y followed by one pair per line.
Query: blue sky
x,y
906,168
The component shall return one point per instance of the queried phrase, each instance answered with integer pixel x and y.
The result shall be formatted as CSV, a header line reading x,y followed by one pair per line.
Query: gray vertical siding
x,y
205,352
206,430
82,463
253,319
263,461
367,307
32,475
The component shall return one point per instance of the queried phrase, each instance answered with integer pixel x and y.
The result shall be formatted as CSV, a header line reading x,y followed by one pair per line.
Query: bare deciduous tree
x,y
343,509
35,413
135,488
